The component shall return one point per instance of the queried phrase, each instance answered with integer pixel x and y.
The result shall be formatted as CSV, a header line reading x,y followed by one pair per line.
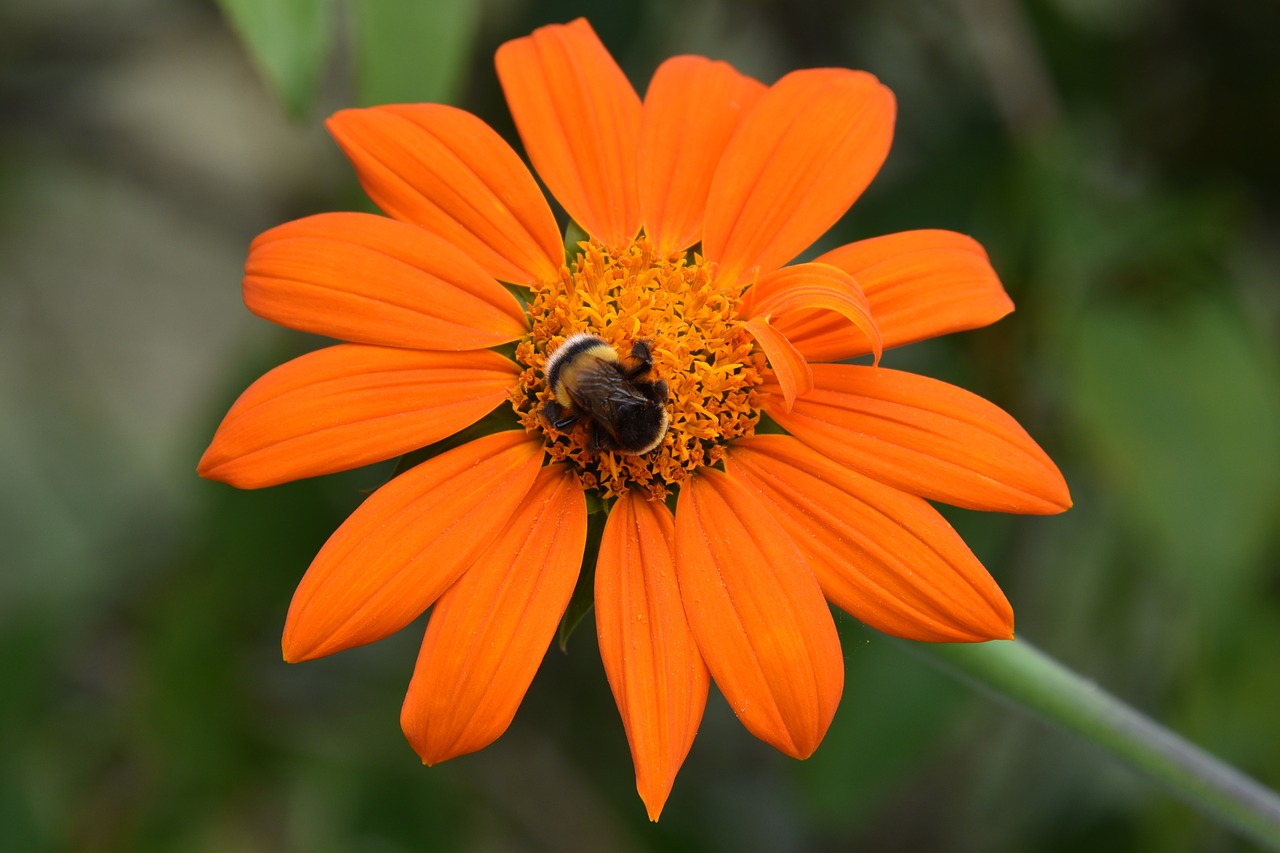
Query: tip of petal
x,y
205,468
654,790
802,754
1048,496
654,795
996,624
291,651
801,743
1056,497
219,472
432,749
1052,495
1001,625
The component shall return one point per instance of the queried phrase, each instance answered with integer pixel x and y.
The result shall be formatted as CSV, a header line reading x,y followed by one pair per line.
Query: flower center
x,y
689,325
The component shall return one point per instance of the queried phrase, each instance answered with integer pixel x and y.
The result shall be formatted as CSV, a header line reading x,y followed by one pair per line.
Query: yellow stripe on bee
x,y
572,370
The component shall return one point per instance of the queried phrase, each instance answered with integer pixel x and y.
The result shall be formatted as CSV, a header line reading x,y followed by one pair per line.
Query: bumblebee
x,y
620,399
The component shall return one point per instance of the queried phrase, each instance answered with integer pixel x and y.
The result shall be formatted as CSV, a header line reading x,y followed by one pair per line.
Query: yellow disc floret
x,y
689,325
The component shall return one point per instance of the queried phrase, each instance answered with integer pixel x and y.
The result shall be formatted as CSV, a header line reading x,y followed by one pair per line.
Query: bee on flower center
x,y
620,399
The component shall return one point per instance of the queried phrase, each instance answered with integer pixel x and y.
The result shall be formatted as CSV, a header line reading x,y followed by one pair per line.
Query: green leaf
x,y
289,41
573,235
413,52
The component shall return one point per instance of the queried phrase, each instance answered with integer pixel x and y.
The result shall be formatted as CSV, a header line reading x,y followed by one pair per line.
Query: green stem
x,y
1022,675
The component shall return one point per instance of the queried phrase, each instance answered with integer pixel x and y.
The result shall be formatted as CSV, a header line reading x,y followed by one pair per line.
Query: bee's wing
x,y
603,393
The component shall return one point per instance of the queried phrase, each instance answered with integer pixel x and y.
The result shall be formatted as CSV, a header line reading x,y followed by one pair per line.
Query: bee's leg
x,y
600,439
556,415
641,353
642,360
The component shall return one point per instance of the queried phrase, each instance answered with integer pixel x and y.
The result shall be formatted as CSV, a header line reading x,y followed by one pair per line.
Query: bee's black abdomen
x,y
641,429
655,391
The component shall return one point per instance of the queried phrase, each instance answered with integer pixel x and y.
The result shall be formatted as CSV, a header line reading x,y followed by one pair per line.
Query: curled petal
x,y
925,437
920,284
790,370
809,289
448,172
489,632
579,119
350,405
690,111
374,280
887,558
800,158
407,544
655,670
757,614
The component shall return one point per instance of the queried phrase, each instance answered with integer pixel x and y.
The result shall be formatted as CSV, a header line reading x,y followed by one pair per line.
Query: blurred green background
x,y
1118,158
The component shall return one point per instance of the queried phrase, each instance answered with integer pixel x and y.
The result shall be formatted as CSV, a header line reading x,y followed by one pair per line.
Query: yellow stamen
x,y
699,348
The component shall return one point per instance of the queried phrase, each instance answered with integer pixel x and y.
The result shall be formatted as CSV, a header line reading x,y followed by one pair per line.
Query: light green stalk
x,y
1022,675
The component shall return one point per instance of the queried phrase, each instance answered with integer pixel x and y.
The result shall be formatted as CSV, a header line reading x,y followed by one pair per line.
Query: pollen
x,y
698,345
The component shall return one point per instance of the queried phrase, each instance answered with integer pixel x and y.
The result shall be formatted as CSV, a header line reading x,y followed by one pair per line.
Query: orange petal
x,y
925,437
408,543
807,289
654,667
800,158
757,613
579,119
374,280
692,108
885,557
448,172
489,632
920,284
349,405
790,370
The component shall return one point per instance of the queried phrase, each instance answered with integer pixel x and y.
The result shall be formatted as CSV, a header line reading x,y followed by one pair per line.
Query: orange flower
x,y
767,528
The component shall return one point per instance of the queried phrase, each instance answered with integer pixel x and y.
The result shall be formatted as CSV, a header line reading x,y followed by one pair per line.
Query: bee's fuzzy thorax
x,y
574,346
